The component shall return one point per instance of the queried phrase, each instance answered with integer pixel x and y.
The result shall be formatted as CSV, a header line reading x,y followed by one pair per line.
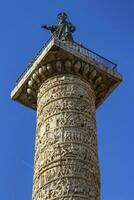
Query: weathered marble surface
x,y
65,83
66,160
63,57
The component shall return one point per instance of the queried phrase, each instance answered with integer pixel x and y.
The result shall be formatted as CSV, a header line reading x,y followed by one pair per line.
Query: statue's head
x,y
62,16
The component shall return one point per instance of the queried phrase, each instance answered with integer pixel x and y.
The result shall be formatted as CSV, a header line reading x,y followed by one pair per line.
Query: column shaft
x,y
66,159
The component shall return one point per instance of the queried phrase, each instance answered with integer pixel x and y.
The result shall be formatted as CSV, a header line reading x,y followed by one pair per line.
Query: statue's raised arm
x,y
50,28
63,30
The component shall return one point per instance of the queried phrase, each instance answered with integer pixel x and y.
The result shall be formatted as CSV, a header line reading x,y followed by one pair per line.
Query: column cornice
x,y
58,57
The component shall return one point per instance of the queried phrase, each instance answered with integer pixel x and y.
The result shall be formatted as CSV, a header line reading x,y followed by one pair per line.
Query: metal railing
x,y
34,59
88,54
78,48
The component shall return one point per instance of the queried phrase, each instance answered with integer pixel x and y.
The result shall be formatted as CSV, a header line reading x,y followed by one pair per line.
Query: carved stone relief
x,y
66,160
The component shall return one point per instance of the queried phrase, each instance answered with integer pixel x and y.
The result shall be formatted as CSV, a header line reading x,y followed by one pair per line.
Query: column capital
x,y
58,57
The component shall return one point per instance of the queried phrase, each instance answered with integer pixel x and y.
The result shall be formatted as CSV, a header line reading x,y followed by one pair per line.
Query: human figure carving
x,y
63,30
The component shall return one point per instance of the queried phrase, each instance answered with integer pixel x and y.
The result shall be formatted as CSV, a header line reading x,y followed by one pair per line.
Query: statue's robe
x,y
63,31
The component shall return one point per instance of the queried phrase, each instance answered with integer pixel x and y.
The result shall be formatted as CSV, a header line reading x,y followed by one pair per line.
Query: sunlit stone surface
x,y
66,161
65,84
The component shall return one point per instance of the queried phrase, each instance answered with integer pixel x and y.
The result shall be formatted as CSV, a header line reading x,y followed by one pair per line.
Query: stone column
x,y
66,159
65,83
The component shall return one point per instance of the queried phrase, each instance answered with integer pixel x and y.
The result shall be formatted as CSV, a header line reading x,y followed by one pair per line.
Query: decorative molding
x,y
82,70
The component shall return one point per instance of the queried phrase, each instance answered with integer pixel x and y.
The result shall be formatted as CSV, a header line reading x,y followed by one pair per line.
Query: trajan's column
x,y
65,83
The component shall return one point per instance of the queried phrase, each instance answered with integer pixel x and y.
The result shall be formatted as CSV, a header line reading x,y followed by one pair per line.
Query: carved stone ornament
x,y
78,68
66,159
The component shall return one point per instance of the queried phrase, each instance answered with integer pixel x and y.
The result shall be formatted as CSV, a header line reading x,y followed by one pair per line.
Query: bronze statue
x,y
63,30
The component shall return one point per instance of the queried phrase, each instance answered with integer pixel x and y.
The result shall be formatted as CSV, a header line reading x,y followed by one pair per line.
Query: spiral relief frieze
x,y
66,160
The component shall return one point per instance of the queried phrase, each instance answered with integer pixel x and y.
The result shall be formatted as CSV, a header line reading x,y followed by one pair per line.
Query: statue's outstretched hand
x,y
44,26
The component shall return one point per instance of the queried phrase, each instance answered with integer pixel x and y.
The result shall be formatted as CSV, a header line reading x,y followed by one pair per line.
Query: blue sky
x,y
103,26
